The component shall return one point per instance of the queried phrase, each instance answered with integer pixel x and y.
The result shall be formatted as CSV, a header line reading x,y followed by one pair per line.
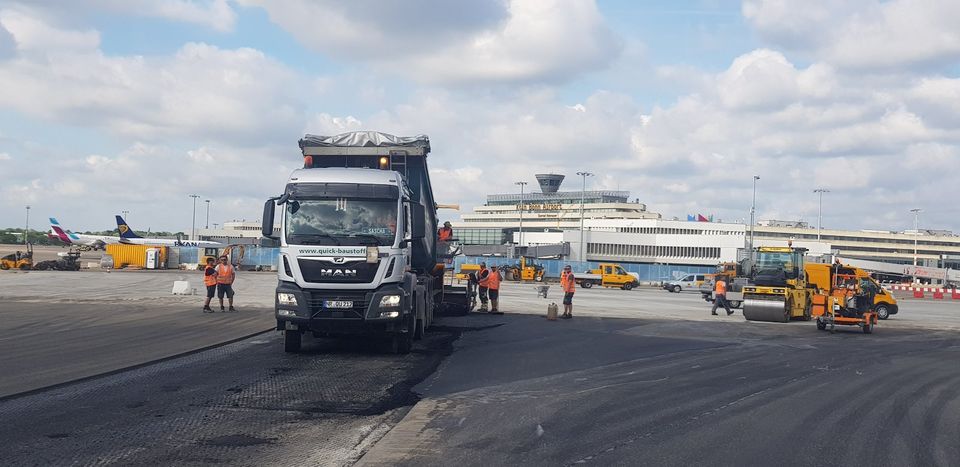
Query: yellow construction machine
x,y
777,290
234,253
18,260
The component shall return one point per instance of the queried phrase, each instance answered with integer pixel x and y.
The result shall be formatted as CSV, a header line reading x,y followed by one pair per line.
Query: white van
x,y
689,282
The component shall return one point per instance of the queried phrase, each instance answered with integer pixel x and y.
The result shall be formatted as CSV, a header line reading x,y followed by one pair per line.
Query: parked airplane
x,y
128,236
70,238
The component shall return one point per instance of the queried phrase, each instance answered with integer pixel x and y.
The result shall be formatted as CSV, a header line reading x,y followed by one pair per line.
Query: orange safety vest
x,y
493,280
720,288
210,279
445,234
568,282
483,280
225,274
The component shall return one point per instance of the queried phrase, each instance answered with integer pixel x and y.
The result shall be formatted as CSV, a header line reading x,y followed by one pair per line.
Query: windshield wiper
x,y
375,239
307,238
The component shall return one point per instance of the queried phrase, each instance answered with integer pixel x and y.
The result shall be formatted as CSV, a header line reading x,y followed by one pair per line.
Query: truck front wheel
x,y
627,286
291,341
586,284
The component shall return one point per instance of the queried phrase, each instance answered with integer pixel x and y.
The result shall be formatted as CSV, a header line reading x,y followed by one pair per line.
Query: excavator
x,y
777,290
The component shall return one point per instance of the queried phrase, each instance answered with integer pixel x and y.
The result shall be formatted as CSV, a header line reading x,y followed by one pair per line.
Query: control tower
x,y
549,183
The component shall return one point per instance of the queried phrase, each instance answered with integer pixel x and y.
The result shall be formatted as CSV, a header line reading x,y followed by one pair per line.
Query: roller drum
x,y
773,309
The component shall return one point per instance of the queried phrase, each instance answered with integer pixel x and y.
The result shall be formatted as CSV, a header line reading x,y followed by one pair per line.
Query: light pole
x,y
126,215
916,233
207,224
583,193
26,228
753,209
522,184
193,227
820,191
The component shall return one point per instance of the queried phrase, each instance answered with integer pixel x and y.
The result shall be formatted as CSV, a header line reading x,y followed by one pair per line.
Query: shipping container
x,y
133,255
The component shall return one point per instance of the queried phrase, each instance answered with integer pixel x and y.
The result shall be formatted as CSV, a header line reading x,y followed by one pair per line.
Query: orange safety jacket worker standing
x,y
493,280
225,274
209,279
445,234
568,282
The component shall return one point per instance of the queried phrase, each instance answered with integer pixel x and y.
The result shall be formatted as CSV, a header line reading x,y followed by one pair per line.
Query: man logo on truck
x,y
338,272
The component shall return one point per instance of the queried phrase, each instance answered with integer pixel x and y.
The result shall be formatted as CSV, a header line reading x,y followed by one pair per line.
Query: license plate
x,y
337,304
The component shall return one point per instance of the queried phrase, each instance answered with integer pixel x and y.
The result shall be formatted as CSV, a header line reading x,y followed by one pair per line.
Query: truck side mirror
x,y
418,220
269,210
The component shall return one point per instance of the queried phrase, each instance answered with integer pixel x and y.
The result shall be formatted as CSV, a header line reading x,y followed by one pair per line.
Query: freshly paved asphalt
x,y
638,392
637,378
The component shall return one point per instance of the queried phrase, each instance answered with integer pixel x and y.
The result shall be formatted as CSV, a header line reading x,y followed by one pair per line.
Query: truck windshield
x,y
341,221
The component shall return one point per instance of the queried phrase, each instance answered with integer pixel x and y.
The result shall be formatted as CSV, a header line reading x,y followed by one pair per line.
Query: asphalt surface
x,y
640,392
637,377
246,403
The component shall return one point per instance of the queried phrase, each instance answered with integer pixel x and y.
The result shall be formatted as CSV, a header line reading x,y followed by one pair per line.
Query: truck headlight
x,y
286,313
287,299
389,301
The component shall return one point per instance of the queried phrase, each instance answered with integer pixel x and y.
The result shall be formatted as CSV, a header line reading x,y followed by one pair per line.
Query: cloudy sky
x,y
131,105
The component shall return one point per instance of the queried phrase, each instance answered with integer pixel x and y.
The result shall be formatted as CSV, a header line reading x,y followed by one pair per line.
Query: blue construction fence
x,y
552,267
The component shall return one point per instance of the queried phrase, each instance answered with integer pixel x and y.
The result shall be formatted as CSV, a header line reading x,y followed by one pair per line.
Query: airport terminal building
x,y
617,229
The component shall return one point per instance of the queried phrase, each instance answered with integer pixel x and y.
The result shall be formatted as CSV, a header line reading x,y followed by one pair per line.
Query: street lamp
x,y
193,227
753,209
583,193
522,184
820,191
207,224
916,233
26,228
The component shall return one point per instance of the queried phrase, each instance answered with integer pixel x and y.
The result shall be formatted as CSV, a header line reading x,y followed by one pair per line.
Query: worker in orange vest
x,y
493,284
720,296
483,280
445,234
210,281
568,282
225,276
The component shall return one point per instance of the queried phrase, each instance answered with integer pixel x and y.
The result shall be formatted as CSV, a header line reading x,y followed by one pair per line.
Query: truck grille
x,y
315,302
353,272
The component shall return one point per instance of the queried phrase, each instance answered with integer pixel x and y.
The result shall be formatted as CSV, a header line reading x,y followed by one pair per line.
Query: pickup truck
x,y
608,275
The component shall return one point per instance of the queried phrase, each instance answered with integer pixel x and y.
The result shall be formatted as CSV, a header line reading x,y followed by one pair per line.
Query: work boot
x,y
729,313
207,309
714,313
232,308
222,309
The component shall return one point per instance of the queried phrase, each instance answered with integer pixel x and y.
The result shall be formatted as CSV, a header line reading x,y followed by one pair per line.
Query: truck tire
x,y
627,286
821,324
291,341
676,289
882,311
736,304
586,284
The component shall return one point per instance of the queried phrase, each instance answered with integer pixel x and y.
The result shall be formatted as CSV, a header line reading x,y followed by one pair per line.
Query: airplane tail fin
x,y
55,226
125,230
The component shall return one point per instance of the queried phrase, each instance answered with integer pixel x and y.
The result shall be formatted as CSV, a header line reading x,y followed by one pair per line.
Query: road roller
x,y
777,290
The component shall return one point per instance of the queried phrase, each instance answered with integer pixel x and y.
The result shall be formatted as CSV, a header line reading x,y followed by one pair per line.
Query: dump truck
x,y
358,242
608,275
821,275
777,289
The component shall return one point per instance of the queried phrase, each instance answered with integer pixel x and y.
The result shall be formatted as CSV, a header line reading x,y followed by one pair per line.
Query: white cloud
x,y
455,42
5,157
216,14
202,91
862,34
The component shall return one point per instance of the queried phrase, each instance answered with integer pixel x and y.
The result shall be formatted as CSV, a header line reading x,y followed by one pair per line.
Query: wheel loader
x,y
777,289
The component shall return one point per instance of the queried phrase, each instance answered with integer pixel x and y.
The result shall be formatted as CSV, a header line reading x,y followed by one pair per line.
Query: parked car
x,y
688,282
